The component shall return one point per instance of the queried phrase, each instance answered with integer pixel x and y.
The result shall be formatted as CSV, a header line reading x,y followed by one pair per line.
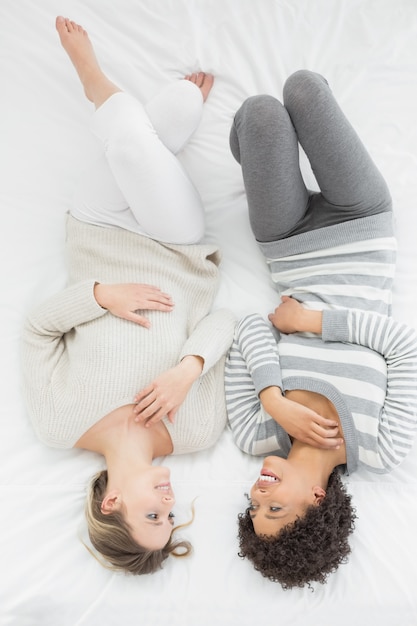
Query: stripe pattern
x,y
365,362
366,365
355,275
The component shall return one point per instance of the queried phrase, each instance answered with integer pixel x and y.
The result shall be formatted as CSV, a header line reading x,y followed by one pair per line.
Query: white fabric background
x,y
367,49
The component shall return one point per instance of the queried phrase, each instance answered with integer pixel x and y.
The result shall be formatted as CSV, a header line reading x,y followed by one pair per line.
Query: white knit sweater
x,y
80,362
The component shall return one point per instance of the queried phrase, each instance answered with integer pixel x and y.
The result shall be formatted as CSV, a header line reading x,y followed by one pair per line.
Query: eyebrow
x,y
270,516
154,523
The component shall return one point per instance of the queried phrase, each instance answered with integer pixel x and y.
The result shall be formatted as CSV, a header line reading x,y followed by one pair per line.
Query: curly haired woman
x,y
97,371
332,385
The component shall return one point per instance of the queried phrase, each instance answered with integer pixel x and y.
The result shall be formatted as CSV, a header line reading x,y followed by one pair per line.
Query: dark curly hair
x,y
308,549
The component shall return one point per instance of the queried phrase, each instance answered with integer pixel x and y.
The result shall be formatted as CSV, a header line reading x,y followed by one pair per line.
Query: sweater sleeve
x,y
252,364
397,343
43,339
211,338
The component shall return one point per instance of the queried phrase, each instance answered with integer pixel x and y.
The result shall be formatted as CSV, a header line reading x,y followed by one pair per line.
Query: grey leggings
x,y
264,140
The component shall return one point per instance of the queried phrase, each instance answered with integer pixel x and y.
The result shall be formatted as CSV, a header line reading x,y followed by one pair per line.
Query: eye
x,y
153,516
274,509
171,515
252,507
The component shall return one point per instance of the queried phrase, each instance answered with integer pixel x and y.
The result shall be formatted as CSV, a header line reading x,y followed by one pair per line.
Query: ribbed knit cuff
x,y
335,325
268,375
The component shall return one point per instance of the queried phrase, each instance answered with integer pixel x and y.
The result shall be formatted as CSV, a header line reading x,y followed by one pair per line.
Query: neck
x,y
315,462
126,443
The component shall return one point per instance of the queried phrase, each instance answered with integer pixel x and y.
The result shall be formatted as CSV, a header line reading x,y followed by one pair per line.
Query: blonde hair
x,y
111,536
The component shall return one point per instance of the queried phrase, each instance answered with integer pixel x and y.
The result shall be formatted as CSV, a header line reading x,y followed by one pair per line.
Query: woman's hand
x,y
291,317
164,396
300,422
125,299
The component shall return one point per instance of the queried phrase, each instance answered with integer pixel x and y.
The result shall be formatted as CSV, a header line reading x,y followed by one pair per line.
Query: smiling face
x,y
280,494
146,501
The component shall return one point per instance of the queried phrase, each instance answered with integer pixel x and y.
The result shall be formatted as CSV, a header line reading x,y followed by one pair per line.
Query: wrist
x,y
270,395
192,366
310,321
98,292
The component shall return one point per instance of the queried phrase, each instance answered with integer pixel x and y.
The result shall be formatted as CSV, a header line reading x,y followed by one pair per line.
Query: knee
x,y
302,87
257,113
252,120
258,107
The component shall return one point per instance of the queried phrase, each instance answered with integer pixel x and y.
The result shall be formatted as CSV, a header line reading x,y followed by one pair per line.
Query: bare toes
x,y
203,81
207,85
200,79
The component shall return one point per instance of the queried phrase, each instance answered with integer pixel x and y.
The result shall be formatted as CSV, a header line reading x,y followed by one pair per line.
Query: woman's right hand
x,y
300,422
126,299
164,396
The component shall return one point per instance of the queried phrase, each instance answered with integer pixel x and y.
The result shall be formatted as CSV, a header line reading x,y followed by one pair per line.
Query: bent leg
x,y
175,114
350,183
264,142
154,190
162,198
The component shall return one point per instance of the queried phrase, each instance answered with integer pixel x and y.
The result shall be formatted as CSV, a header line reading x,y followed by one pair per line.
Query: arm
x,y
83,302
44,356
253,430
257,348
396,342
204,347
211,338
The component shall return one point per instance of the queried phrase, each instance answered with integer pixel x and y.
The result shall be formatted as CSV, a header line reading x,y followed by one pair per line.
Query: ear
x,y
318,494
111,502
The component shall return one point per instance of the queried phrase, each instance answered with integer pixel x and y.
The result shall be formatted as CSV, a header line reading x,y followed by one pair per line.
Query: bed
x,y
367,49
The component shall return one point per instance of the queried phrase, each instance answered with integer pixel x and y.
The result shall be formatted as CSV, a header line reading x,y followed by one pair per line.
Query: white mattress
x,y
367,49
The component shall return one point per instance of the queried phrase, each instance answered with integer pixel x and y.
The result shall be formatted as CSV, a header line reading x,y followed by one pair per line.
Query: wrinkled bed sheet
x,y
367,49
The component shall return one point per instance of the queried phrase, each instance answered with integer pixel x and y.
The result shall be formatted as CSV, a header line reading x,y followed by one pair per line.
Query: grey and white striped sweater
x,y
364,362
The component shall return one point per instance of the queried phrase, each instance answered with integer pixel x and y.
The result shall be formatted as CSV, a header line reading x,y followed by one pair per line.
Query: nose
x,y
168,499
262,489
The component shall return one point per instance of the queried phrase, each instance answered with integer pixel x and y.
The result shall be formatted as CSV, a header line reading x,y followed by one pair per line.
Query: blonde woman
x,y
114,364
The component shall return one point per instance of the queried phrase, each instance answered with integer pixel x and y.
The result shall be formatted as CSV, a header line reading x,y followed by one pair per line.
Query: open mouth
x,y
267,477
164,486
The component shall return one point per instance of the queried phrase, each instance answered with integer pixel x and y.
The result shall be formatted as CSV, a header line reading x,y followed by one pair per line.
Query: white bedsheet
x,y
367,49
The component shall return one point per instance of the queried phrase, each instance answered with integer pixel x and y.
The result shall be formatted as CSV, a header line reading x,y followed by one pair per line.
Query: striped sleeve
x,y
397,343
252,365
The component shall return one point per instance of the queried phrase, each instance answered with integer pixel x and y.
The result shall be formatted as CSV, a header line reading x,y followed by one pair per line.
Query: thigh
x,y
98,199
350,183
263,140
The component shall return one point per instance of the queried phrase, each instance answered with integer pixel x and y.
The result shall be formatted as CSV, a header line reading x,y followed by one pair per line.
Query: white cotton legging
x,y
139,184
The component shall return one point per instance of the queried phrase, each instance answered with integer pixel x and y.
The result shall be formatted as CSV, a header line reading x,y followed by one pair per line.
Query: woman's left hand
x,y
164,396
291,317
125,299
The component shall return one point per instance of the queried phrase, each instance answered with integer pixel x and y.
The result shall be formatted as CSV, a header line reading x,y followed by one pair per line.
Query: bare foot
x,y
203,81
78,46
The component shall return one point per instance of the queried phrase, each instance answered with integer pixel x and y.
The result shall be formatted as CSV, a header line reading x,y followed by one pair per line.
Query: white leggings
x,y
138,184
